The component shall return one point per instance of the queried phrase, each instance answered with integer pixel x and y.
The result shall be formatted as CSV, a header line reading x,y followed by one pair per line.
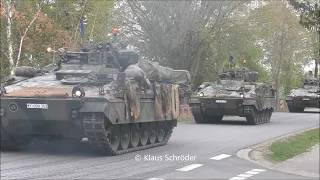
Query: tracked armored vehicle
x,y
236,93
306,96
97,93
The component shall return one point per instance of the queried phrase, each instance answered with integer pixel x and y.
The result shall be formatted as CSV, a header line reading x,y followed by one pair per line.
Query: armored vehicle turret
x,y
306,96
97,93
236,93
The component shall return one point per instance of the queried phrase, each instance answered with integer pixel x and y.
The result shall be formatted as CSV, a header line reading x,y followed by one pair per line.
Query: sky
x,y
310,67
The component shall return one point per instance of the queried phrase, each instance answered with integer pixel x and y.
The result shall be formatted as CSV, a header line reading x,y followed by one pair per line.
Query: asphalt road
x,y
212,149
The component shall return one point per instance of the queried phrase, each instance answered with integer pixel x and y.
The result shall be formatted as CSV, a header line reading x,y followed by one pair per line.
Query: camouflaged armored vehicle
x,y
98,94
236,94
306,96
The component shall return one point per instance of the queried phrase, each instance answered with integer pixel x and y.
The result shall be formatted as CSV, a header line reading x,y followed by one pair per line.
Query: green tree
x,y
282,38
175,33
310,19
55,24
238,39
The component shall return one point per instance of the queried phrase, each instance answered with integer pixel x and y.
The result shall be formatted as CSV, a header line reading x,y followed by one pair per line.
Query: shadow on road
x,y
59,147
232,122
226,122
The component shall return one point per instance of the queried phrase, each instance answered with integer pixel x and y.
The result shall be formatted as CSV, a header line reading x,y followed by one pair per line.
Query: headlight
x,y
241,95
318,95
201,94
78,91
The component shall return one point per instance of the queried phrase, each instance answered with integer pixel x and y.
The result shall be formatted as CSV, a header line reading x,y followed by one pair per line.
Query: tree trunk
x,y
25,33
9,35
278,83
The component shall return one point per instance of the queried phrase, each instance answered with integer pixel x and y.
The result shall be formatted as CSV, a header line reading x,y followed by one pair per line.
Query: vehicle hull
x,y
212,106
64,116
94,118
213,109
97,93
298,104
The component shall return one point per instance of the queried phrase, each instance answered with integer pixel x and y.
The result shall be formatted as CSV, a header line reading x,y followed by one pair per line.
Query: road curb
x,y
245,154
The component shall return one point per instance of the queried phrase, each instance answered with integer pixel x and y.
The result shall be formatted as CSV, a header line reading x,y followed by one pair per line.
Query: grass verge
x,y
290,147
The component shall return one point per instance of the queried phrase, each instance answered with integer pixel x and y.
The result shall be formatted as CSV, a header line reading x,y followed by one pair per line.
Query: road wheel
x,y
152,130
125,136
160,132
115,137
143,134
134,135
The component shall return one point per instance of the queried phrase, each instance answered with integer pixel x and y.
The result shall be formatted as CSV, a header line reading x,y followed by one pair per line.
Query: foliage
x,y
290,147
310,13
235,40
198,36
175,33
56,26
310,19
285,43
67,15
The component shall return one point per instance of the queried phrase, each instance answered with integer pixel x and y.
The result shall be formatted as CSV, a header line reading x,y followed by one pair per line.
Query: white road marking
x,y
190,167
237,178
252,172
247,174
260,170
221,156
155,179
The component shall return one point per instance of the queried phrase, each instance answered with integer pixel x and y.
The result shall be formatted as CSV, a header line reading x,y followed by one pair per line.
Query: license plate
x,y
305,99
221,101
37,106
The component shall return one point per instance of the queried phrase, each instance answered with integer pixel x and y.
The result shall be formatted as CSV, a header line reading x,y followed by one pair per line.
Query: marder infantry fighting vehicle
x,y
237,94
307,96
98,94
